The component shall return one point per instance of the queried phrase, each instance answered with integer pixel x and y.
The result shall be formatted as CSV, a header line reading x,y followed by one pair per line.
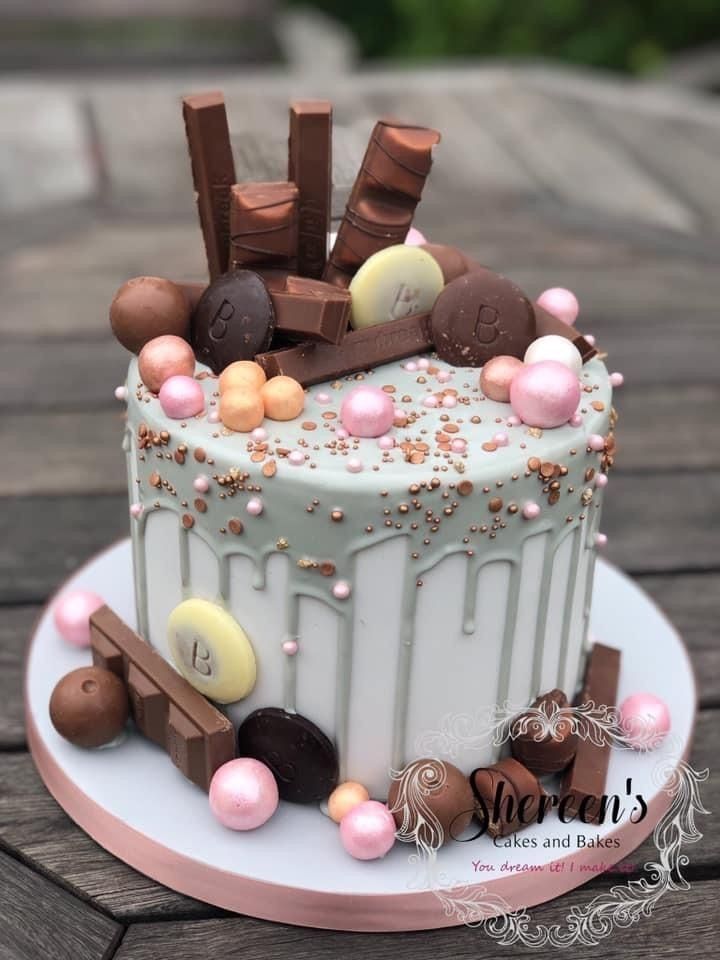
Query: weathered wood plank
x,y
38,919
16,624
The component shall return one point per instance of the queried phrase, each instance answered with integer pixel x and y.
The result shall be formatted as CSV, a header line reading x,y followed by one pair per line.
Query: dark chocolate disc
x,y
302,759
234,320
481,315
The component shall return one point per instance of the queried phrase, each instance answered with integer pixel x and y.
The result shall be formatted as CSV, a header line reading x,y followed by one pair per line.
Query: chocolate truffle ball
x,y
89,707
443,788
149,307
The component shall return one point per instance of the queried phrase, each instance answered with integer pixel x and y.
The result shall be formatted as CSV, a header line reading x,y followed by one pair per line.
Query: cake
x,y
365,479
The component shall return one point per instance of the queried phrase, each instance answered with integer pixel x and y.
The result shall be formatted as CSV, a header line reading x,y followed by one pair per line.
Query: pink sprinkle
x,y
254,506
601,540
386,442
616,379
341,433
458,445
513,421
601,480
323,397
296,458
575,420
423,363
501,439
411,366
443,376
213,416
531,511
590,339
259,434
121,393
201,483
341,590
596,442
430,401
290,647
449,401
414,238
136,510
354,465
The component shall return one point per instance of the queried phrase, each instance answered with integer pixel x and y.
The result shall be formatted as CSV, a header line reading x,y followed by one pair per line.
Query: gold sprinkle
x,y
282,543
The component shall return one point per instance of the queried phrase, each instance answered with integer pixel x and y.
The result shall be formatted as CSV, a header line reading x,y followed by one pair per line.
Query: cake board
x,y
294,869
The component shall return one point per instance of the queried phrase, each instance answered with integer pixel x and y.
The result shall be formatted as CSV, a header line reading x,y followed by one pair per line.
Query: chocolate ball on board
x,y
149,307
441,787
234,320
540,749
481,315
89,707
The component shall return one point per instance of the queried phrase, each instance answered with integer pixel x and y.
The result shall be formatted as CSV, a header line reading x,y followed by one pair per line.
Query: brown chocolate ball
x,y
451,260
89,707
443,788
149,307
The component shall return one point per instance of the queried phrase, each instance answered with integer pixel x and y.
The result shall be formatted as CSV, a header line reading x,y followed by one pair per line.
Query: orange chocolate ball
x,y
242,373
89,707
148,307
497,375
284,398
444,789
344,797
165,357
241,409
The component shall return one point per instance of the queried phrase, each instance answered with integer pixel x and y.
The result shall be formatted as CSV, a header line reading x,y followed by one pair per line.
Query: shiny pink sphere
x,y
497,375
545,394
645,720
561,303
414,238
368,830
367,412
243,794
164,357
181,397
72,612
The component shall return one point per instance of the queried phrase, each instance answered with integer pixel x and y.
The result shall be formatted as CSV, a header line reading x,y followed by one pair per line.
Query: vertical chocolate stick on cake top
x,y
213,173
310,168
387,189
263,224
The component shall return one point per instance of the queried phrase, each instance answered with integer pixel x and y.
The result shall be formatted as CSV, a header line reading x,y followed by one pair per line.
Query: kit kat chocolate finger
x,y
310,169
263,224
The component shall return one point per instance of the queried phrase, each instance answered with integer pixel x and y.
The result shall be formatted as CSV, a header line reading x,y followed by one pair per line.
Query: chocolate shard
x,y
545,753
165,708
383,199
311,310
583,784
310,168
213,172
360,350
508,797
546,323
263,224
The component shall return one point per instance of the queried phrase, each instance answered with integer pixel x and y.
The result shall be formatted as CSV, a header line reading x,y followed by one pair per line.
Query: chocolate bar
x,y
360,350
311,310
213,172
165,708
310,168
547,323
584,782
382,202
263,224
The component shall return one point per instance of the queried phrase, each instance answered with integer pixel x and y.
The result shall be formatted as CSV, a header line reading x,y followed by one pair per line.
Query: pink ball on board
x,y
561,303
414,238
497,375
165,357
367,831
367,412
243,794
545,394
72,612
645,720
181,397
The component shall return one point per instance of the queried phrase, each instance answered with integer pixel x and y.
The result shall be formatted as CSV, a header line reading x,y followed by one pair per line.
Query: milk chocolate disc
x,y
481,315
234,320
302,759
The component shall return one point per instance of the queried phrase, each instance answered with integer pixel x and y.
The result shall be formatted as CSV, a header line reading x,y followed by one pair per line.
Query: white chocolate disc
x,y
394,283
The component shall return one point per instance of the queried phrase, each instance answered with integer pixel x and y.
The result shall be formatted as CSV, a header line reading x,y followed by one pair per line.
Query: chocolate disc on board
x,y
302,759
234,320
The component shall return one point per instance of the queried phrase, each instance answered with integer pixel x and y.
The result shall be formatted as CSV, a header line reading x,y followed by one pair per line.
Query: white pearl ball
x,y
555,347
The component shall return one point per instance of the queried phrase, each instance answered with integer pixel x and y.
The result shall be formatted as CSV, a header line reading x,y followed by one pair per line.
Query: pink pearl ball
x,y
243,794
458,445
259,434
290,647
341,590
501,439
367,412
561,303
645,720
414,238
616,379
354,465
341,433
201,483
443,376
601,540
596,442
136,510
545,394
531,511
601,480
164,357
323,398
254,506
214,416
575,420
72,612
386,442
181,397
121,393
423,363
411,366
497,375
430,401
368,830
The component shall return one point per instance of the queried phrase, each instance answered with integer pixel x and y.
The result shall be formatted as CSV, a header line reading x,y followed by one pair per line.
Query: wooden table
x,y
553,178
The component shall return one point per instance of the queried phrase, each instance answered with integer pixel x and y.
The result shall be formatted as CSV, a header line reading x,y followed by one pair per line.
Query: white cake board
x,y
136,804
